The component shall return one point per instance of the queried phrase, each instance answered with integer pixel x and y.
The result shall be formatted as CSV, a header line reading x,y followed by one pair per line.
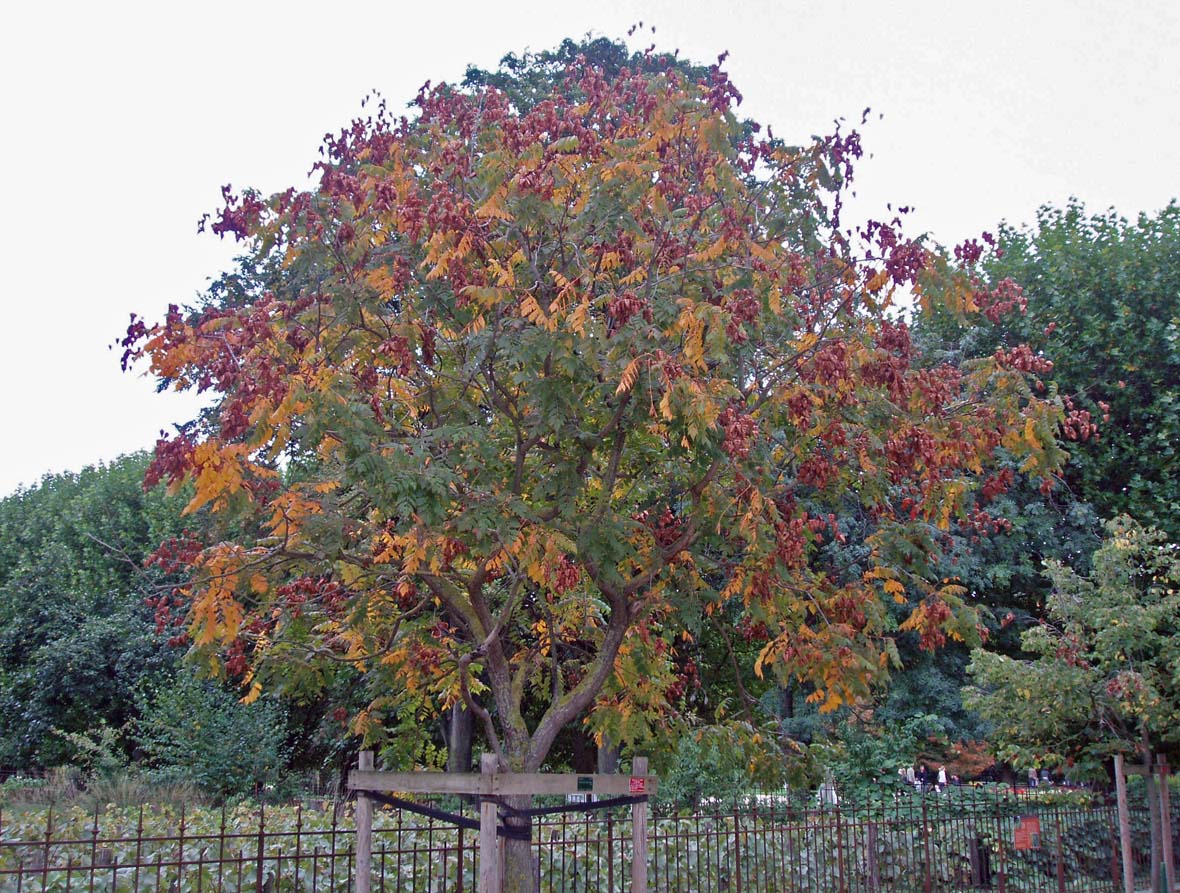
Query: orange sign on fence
x,y
1027,834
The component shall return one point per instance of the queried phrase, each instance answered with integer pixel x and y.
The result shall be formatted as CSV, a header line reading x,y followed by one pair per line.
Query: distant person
x,y
910,778
1032,778
941,779
826,794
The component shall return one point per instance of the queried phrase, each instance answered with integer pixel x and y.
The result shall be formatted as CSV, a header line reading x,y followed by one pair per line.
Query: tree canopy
x,y
76,638
522,391
1102,299
1101,676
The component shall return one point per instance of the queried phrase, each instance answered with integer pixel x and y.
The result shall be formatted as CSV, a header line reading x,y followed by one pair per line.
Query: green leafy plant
x,y
1099,678
100,751
193,730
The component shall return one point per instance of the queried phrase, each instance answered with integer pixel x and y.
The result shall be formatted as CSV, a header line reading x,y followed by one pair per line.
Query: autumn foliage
x,y
520,394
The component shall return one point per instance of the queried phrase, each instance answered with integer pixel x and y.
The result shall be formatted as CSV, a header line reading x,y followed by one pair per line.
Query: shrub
x,y
195,731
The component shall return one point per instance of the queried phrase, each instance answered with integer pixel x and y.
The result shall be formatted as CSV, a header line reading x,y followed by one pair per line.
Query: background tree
x,y
76,637
1103,305
1089,290
86,676
1102,679
1001,568
555,383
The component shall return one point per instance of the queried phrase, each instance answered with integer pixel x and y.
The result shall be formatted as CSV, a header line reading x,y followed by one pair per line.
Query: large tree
x,y
1101,675
532,387
1102,298
76,638
1100,305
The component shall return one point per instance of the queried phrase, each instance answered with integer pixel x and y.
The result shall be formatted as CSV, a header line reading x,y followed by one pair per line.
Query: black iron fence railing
x,y
766,843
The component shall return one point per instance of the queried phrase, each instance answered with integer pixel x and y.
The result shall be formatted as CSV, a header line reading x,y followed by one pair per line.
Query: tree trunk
x,y
608,757
583,752
459,739
786,713
520,867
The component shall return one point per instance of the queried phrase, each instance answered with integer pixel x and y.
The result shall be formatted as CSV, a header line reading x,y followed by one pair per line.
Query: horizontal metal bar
x,y
460,821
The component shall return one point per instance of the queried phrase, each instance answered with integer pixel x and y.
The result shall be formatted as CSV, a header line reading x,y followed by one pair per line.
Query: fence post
x,y
1060,856
871,846
259,868
489,849
1114,852
1120,786
738,886
639,834
840,852
926,882
1166,824
1002,846
610,853
364,828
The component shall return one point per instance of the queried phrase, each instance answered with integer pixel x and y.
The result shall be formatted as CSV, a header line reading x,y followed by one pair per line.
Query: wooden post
x,y
489,849
1166,824
364,829
490,783
1120,784
639,834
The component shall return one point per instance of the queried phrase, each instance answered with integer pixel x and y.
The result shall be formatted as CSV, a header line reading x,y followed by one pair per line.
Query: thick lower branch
x,y
474,706
562,712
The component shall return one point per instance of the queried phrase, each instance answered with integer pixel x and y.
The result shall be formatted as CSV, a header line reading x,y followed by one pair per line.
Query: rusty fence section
x,y
915,848
766,843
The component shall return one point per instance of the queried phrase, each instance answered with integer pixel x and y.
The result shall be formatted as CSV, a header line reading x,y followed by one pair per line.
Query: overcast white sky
x,y
121,122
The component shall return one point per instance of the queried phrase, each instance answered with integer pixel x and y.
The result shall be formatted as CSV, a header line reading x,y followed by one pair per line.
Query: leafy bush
x,y
98,751
195,731
717,763
865,760
698,771
75,635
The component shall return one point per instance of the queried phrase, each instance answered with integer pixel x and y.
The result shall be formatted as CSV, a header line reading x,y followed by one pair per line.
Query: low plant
x,y
195,732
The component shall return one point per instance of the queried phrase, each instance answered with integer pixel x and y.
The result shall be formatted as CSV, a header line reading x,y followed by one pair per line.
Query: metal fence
x,y
767,843
925,846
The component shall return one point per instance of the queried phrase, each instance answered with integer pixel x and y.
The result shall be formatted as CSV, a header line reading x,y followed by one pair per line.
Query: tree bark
x,y
461,726
583,752
608,757
521,868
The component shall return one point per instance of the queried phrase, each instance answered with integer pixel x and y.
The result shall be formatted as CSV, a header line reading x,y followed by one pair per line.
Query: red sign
x,y
638,784
1027,834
